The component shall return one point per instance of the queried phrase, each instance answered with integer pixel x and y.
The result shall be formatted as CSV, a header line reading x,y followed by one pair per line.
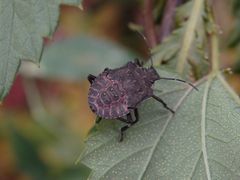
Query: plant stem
x,y
34,100
167,21
189,34
149,23
214,51
214,40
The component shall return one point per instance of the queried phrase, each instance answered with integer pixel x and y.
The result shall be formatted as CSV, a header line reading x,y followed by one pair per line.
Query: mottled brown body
x,y
113,93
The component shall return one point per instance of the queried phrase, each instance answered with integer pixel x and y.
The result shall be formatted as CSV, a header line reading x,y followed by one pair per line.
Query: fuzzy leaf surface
x,y
23,24
201,141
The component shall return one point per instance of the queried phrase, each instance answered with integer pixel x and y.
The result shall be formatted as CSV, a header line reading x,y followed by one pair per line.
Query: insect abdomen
x,y
110,101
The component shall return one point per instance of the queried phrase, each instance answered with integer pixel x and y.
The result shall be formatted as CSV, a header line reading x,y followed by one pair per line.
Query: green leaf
x,y
78,172
184,49
234,38
23,24
236,66
200,141
74,59
27,156
29,160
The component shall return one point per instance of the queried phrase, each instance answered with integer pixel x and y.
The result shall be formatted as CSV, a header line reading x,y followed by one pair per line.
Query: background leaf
x,y
170,50
28,151
200,141
74,59
23,25
76,172
235,35
28,158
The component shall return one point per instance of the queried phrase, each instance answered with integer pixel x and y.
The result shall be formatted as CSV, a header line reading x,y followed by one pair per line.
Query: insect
x,y
116,93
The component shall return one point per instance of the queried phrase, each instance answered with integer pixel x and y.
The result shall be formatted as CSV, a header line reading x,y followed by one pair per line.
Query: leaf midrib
x,y
111,139
203,126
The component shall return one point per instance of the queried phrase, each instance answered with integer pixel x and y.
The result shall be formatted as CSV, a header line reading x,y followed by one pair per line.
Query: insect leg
x,y
106,69
163,103
124,128
98,119
130,123
136,115
91,78
137,61
180,80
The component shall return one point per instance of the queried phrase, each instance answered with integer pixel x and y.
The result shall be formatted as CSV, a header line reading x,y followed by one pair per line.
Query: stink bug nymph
x,y
115,93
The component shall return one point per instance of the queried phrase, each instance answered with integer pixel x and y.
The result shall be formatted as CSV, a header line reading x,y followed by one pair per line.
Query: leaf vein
x,y
195,165
219,163
131,154
161,133
203,126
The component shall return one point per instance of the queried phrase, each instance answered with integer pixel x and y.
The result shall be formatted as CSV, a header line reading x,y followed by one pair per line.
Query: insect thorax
x,y
114,91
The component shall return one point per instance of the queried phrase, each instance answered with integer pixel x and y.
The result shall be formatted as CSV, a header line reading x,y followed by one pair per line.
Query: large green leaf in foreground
x,y
201,141
23,24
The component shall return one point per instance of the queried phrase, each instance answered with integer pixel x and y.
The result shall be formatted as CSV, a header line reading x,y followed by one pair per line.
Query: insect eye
x,y
93,108
106,69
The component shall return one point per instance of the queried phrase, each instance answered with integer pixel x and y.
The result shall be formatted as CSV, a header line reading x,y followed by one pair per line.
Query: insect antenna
x,y
150,54
174,79
146,42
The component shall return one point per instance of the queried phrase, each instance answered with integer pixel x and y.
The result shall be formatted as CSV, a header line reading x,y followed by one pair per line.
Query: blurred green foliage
x,y
168,51
27,156
235,35
234,39
28,151
74,58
